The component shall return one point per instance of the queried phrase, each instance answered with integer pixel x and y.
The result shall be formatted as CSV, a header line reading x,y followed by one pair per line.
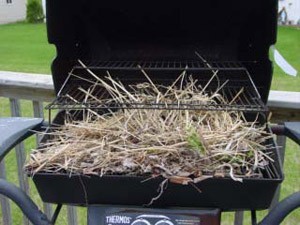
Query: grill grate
x,y
73,96
76,99
162,65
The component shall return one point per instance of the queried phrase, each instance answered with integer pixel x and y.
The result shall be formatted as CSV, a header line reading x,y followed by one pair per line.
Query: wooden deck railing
x,y
39,89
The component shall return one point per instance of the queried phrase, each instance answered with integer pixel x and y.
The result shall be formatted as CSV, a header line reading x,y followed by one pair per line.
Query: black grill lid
x,y
116,30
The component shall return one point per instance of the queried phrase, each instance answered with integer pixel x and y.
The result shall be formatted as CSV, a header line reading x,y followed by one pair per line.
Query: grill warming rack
x,y
233,81
163,65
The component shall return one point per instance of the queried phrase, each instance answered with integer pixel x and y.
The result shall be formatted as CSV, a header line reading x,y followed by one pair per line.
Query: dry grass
x,y
184,146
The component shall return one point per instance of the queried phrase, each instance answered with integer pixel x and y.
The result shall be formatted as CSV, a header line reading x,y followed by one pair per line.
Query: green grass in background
x,y
24,48
288,44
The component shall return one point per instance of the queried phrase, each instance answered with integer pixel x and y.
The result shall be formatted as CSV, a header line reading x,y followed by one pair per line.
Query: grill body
x,y
222,193
163,37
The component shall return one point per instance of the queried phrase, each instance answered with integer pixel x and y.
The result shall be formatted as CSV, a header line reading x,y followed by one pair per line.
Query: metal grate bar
x,y
241,103
161,65
74,93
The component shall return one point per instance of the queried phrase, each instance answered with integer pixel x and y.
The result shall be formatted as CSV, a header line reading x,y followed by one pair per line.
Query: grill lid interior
x,y
155,30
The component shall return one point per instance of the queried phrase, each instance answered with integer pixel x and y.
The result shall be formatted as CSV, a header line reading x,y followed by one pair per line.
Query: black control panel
x,y
127,215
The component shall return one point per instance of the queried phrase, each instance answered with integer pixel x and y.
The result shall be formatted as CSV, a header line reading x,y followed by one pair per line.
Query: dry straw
x,y
184,146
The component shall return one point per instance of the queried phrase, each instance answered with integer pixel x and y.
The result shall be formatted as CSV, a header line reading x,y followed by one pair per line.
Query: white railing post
x,y
281,142
38,112
239,218
5,205
72,215
20,153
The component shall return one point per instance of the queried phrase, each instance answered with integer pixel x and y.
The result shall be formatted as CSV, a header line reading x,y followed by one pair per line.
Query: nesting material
x,y
184,146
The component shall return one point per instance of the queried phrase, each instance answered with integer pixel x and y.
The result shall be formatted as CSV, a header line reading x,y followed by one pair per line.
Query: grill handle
x,y
284,208
27,206
289,129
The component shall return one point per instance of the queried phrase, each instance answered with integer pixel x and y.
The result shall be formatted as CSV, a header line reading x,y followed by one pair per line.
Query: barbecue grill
x,y
162,38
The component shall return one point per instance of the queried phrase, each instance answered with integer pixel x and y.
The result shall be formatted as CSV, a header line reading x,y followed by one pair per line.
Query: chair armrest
x,y
282,210
289,129
292,130
14,130
25,203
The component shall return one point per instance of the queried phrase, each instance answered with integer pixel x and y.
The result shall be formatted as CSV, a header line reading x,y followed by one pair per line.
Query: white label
x,y
118,219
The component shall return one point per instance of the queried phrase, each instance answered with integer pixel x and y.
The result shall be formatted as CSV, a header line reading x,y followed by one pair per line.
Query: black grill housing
x,y
162,37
